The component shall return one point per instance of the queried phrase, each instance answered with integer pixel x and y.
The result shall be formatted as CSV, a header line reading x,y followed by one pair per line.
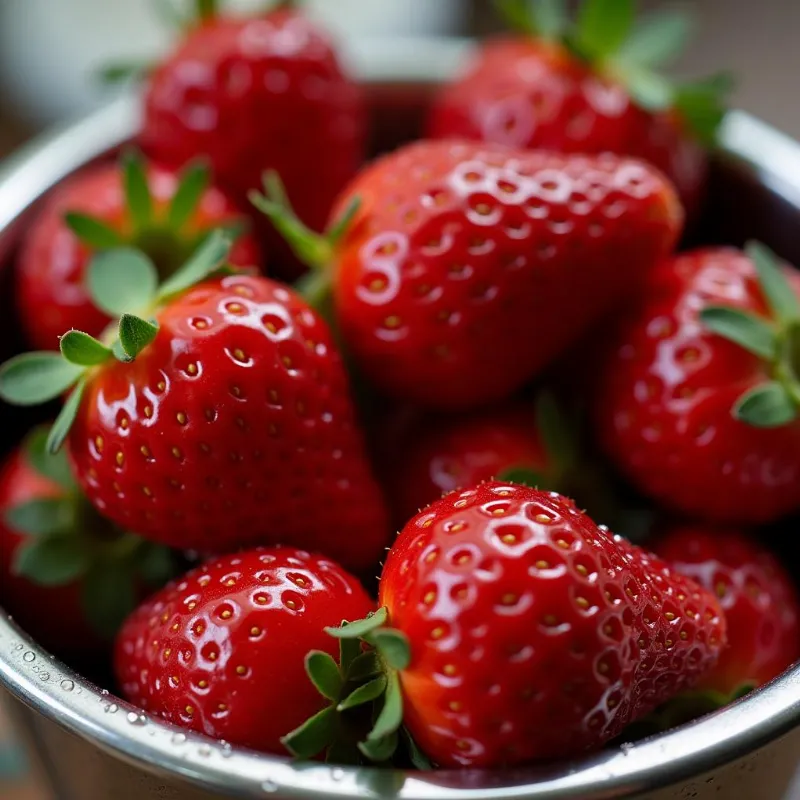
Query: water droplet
x,y
626,748
205,751
227,749
67,685
337,774
29,657
45,676
136,719
112,709
104,692
179,738
19,647
269,787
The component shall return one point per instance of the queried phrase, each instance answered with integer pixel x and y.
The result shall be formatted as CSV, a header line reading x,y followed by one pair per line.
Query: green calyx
x,y
605,34
363,722
67,542
124,283
775,339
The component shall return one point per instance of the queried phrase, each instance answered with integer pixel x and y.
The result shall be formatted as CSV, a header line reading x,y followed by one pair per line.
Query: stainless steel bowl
x,y
96,747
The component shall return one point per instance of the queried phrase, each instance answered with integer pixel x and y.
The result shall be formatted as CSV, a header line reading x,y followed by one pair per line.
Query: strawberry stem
x,y
206,10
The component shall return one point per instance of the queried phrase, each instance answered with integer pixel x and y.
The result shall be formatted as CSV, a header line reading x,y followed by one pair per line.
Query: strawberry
x,y
588,87
57,553
222,651
460,270
757,596
513,628
164,213
697,398
224,421
256,93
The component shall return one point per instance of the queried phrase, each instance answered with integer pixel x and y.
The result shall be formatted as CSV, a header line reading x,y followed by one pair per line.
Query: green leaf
x,y
108,595
418,759
355,630
92,232
550,17
365,693
119,353
657,39
314,735
649,91
154,563
349,652
193,182
41,517
53,561
603,26
210,256
391,716
778,292
60,429
137,191
342,224
767,406
702,104
122,72
558,438
393,647
34,378
379,750
122,280
135,334
524,477
747,330
206,9
517,15
365,666
324,674
84,350
54,467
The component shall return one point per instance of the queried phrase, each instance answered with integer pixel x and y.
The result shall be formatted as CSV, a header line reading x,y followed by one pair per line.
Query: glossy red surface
x,y
234,427
469,267
535,633
666,391
221,651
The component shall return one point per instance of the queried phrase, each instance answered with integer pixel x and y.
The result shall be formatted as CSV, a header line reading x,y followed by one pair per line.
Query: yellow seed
x,y
235,308
240,670
684,635
192,369
498,512
192,606
147,491
427,523
581,570
123,423
563,544
582,602
226,614
508,538
255,631
120,458
429,598
437,633
202,684
148,411
541,564
181,417
189,710
239,355
454,705
392,322
449,669
145,451
432,556
161,386
670,616
543,519
222,707
287,362
550,620
230,582
98,442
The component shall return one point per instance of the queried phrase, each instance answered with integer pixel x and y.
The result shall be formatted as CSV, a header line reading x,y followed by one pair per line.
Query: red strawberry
x,y
56,553
226,422
222,651
521,630
257,93
467,268
162,212
697,400
757,596
588,88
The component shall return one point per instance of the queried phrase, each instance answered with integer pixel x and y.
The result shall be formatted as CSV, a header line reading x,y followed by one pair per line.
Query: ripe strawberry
x,y
257,93
757,596
521,630
697,400
588,88
56,553
466,268
165,214
222,651
225,422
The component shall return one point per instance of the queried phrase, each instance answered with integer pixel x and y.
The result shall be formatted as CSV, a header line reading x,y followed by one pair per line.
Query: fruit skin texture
x,y
469,267
259,93
221,651
51,297
533,94
535,633
30,604
757,597
233,428
666,389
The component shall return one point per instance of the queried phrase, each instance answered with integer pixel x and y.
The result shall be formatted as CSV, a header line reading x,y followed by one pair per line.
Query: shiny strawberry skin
x,y
667,388
51,296
469,267
535,633
756,594
221,651
259,93
532,94
233,428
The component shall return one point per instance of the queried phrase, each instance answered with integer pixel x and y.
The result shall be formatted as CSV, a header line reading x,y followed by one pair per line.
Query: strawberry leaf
x,y
43,517
60,429
603,26
108,596
314,735
657,39
647,89
34,378
206,9
324,674
54,467
391,716
418,759
135,334
392,645
544,18
194,181
52,561
122,72
379,750
523,476
79,348
747,330
92,232
349,653
560,444
365,693
137,190
122,281
361,627
208,258
517,15
154,563
702,105
767,406
778,292
365,666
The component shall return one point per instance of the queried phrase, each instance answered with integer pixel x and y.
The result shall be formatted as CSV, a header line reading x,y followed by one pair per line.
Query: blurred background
x,y
50,51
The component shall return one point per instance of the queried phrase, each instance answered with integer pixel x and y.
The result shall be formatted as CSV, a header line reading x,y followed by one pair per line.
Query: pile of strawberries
x,y
485,319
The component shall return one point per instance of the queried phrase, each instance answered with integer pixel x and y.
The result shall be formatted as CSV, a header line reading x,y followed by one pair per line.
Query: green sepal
x,y
745,329
138,198
393,647
649,91
52,561
154,563
193,182
364,666
60,430
365,693
108,595
46,516
391,715
122,281
83,350
769,405
524,477
324,674
54,467
657,39
208,258
603,26
135,334
702,105
33,378
558,438
206,10
123,72
349,653
418,759
92,232
358,629
314,735
778,292
544,18
380,750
